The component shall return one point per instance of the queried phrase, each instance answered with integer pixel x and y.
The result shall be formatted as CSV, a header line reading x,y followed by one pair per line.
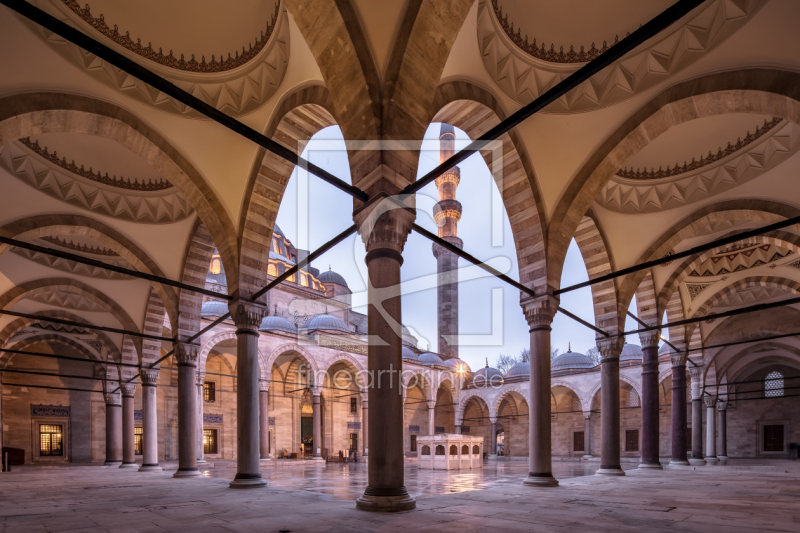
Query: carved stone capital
x,y
710,401
587,415
431,404
384,224
678,359
186,353
113,398
247,315
149,376
610,347
540,311
127,389
263,385
722,405
649,339
493,420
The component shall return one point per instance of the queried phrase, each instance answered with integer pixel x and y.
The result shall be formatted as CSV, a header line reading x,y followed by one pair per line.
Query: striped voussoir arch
x,y
594,251
195,269
153,325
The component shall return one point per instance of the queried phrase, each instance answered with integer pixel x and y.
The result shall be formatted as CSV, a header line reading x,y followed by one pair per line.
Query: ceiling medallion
x,y
694,165
170,60
78,247
525,71
149,185
546,55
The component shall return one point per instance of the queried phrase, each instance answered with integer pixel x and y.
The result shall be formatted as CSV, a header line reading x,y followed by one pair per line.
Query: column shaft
x,y
364,427
431,418
493,440
697,429
200,449
711,429
609,417
2,461
679,410
149,421
722,431
263,422
186,354
113,430
128,450
650,429
587,435
317,430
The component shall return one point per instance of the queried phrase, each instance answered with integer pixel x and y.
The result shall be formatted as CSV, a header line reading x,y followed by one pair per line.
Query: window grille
x,y
576,404
476,449
578,441
209,391
50,440
773,385
425,449
440,450
353,406
138,440
631,398
632,440
453,449
216,266
414,443
464,450
210,441
353,442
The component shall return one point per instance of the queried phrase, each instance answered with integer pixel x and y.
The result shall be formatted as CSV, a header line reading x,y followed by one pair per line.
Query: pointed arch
x,y
197,259
595,252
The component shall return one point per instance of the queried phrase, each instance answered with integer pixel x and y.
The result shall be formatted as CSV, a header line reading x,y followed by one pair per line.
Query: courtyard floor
x,y
318,498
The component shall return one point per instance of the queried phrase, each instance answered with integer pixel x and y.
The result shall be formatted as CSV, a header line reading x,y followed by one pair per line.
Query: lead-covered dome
x,y
571,361
327,323
457,365
519,370
487,376
277,323
332,277
213,308
631,352
430,359
665,349
409,354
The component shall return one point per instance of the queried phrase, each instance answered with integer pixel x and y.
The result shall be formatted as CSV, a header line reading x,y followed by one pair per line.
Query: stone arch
x,y
296,348
59,339
674,312
475,110
350,361
23,115
299,116
647,301
763,363
568,385
763,91
207,346
470,396
738,356
54,225
664,375
505,391
197,259
595,252
633,383
776,321
422,379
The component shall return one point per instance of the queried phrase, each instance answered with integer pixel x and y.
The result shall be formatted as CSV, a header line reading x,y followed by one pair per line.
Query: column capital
x,y
364,397
678,359
384,223
200,377
247,315
431,404
113,398
696,372
649,339
710,401
610,347
186,353
540,311
149,376
721,405
263,385
587,415
128,389
316,392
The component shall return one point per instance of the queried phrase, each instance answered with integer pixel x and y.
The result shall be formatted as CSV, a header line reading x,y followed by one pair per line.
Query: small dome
x,y
430,359
332,277
631,352
571,360
456,364
487,375
327,322
277,323
519,370
665,349
408,353
213,308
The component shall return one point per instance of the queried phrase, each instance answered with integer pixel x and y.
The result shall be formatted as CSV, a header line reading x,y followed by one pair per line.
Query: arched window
x,y
440,450
426,450
272,270
631,398
476,450
453,449
216,266
465,450
773,385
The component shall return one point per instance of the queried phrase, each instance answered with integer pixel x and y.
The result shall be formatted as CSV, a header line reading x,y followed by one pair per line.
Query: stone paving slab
x,y
100,499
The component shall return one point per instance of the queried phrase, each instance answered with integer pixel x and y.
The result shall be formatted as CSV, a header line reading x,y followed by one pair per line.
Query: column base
x,y
317,459
712,460
266,459
610,471
540,480
650,466
201,461
588,456
112,463
190,472
129,465
363,459
693,462
682,462
374,500
722,458
150,468
248,481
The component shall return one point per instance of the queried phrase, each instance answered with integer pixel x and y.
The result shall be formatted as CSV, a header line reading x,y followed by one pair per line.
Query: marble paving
x,y
98,499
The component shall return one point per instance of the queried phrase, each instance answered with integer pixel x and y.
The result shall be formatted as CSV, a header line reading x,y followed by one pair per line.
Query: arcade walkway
x,y
96,499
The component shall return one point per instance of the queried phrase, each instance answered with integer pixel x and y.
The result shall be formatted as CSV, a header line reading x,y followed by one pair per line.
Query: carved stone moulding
x,y
148,207
634,196
236,86
72,266
523,76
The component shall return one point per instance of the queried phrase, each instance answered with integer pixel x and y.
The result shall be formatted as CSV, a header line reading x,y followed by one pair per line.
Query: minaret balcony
x,y
446,209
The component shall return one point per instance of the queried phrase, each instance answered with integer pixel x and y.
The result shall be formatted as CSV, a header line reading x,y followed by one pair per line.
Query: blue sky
x,y
489,309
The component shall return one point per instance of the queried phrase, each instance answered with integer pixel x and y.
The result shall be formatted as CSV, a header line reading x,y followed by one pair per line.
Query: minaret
x,y
447,213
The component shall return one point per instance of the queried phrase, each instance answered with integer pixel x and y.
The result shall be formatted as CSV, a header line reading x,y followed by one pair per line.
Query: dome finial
x,y
569,346
487,362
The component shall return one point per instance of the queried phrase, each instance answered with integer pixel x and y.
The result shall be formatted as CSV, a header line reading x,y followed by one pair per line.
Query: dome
x,y
519,370
408,353
327,322
277,323
665,349
487,375
332,277
213,308
631,352
430,359
571,360
456,364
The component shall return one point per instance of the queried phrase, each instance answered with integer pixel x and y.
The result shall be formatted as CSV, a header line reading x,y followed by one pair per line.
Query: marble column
x,y
263,419
201,378
364,426
678,409
587,434
247,316
186,354
539,313
711,430
2,460
493,439
316,453
113,429
128,449
650,426
458,429
384,228
696,374
722,430
149,421
609,406
431,417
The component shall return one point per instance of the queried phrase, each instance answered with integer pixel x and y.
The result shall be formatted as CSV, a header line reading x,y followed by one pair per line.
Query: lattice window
x,y
209,391
773,385
576,404
138,440
50,440
272,270
216,266
414,444
353,406
631,398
